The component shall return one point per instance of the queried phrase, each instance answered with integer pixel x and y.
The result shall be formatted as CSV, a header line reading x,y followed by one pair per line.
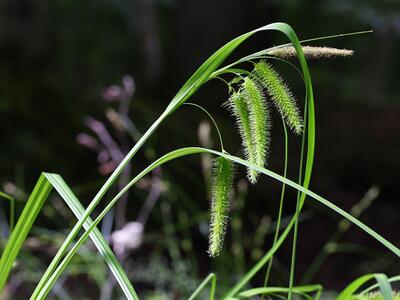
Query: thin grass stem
x,y
299,196
212,119
294,247
278,224
210,278
53,265
11,219
260,54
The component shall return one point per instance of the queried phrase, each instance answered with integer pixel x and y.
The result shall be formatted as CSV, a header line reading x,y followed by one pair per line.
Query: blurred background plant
x,y
55,59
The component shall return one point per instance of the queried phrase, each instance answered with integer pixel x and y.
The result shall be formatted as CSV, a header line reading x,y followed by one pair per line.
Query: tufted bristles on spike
x,y
310,52
280,95
221,193
249,107
238,106
259,119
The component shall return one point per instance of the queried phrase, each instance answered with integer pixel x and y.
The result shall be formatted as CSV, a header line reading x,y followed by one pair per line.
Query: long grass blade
x,y
279,218
210,278
32,208
376,285
74,231
302,290
23,226
101,244
197,150
382,282
12,209
384,286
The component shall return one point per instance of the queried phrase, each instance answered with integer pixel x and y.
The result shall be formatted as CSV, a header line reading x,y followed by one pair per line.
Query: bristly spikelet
x,y
259,119
310,52
221,193
238,106
280,95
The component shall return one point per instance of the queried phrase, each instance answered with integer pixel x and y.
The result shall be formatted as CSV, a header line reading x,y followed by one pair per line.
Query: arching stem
x,y
212,119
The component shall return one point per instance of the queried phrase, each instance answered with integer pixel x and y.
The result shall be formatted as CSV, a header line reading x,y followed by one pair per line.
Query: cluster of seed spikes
x,y
251,110
248,103
249,106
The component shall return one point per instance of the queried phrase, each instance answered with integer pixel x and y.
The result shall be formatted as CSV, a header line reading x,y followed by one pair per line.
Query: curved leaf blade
x,y
31,210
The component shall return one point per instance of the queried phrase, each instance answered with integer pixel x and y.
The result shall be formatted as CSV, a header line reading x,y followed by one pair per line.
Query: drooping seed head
x,y
280,94
259,119
220,203
238,106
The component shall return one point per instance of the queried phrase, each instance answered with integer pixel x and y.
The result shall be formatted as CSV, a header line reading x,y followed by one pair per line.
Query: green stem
x,y
278,224
372,287
262,53
212,119
294,245
213,279
336,36
12,209
93,204
300,197
12,215
196,150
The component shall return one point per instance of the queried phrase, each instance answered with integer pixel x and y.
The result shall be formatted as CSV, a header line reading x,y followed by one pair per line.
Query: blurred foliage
x,y
56,56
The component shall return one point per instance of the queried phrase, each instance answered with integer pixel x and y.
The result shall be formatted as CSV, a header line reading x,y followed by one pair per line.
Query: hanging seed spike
x,y
259,119
280,94
238,107
220,203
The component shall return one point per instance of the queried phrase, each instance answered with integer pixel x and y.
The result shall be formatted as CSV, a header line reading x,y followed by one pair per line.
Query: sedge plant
x,y
255,88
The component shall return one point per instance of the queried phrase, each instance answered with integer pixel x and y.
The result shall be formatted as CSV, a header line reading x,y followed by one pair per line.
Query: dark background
x,y
57,56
